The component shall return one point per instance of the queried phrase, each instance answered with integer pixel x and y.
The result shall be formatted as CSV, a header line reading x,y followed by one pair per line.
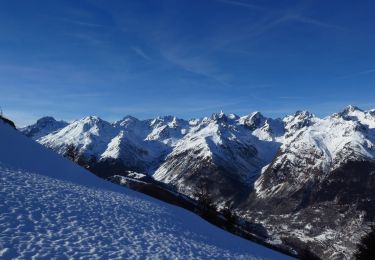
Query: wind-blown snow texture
x,y
52,208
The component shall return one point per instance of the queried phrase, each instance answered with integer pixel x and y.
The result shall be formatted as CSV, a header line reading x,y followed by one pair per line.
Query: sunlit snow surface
x,y
52,208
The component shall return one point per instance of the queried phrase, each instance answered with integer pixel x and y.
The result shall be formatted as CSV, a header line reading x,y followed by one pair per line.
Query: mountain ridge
x,y
258,164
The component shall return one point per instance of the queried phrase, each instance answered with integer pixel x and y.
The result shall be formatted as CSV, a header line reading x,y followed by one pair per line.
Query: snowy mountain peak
x,y
89,134
233,116
222,119
351,108
42,127
91,120
126,122
176,122
219,116
355,114
194,122
299,120
253,121
91,124
46,120
347,112
256,116
164,120
303,114
129,118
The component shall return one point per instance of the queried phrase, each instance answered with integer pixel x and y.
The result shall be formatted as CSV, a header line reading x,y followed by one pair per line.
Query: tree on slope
x,y
306,254
205,202
366,248
230,217
71,153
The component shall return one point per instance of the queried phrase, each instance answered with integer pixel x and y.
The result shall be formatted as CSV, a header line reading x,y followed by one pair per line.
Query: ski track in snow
x,y
44,217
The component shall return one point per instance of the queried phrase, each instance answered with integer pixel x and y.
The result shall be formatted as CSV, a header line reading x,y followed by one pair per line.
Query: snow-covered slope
x,y
50,207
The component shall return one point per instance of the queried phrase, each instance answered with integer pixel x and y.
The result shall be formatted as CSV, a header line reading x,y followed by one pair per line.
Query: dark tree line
x,y
207,209
306,254
73,154
228,213
366,247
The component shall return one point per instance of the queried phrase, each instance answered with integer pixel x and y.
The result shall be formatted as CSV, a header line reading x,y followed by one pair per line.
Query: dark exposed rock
x,y
7,121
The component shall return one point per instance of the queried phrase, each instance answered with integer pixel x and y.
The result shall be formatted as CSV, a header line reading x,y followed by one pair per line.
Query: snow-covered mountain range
x,y
171,150
51,208
278,166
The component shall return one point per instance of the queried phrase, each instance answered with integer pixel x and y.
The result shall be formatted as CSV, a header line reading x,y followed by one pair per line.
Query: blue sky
x,y
190,58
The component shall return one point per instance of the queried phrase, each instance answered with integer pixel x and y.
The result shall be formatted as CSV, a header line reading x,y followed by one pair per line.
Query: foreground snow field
x,y
52,208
